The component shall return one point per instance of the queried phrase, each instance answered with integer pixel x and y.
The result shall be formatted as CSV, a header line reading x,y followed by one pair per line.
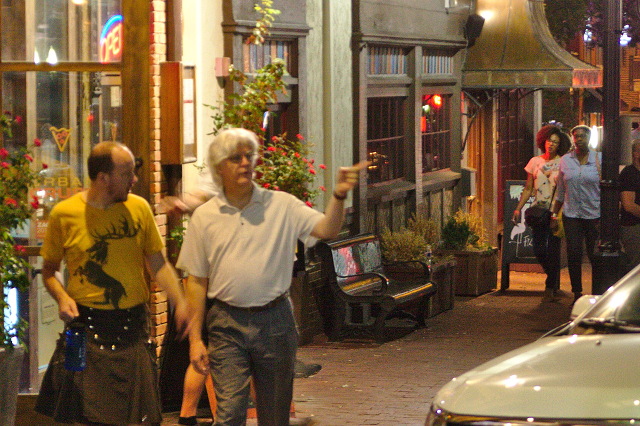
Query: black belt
x,y
269,305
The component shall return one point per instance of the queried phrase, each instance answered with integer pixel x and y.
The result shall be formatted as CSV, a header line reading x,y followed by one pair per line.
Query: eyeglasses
x,y
237,158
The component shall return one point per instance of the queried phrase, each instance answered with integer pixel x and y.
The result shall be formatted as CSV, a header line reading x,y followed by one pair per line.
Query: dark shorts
x,y
118,386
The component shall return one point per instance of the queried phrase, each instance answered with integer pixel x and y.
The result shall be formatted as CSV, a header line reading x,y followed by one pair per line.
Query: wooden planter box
x,y
443,276
475,272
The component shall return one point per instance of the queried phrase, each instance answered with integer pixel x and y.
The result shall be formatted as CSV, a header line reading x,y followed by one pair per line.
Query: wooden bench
x,y
365,292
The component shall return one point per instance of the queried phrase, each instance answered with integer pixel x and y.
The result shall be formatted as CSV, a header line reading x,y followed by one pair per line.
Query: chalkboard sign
x,y
517,242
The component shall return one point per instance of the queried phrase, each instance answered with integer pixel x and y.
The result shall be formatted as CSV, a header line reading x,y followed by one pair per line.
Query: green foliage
x,y
422,225
463,231
566,19
17,177
560,105
402,245
285,166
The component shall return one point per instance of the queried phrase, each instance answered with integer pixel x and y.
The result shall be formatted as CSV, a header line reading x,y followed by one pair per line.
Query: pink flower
x,y
37,142
299,136
28,157
5,165
11,202
322,188
19,248
271,149
276,187
266,185
309,203
322,166
4,153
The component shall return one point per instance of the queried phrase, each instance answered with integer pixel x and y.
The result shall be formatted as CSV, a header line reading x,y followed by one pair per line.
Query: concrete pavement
x,y
363,383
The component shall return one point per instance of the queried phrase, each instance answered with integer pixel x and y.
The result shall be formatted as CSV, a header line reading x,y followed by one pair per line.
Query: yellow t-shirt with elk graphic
x,y
104,250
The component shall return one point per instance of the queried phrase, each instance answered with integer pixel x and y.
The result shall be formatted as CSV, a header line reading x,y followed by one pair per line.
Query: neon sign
x,y
111,40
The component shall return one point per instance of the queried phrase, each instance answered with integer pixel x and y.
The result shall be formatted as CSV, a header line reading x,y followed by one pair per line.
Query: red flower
x,y
19,248
271,149
37,142
312,171
35,204
3,153
309,203
266,185
45,166
299,136
28,157
274,139
5,165
11,202
297,154
322,166
322,188
312,161
18,119
276,187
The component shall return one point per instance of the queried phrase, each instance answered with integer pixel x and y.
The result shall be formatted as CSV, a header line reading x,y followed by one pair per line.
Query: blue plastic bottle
x,y
76,347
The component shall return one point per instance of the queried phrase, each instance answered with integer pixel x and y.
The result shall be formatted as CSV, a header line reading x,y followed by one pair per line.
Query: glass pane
x,y
68,113
385,139
436,132
61,30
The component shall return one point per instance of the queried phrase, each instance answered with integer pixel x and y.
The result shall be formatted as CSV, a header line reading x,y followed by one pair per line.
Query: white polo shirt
x,y
247,254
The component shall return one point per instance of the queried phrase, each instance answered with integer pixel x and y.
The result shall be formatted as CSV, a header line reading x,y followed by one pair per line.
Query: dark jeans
x,y
546,247
577,232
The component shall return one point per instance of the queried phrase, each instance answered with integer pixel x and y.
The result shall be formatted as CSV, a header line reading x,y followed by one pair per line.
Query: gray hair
x,y
226,143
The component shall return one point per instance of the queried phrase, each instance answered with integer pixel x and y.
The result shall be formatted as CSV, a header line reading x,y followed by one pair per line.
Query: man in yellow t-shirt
x,y
106,236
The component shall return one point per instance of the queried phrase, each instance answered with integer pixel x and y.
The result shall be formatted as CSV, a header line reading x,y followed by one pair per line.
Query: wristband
x,y
339,197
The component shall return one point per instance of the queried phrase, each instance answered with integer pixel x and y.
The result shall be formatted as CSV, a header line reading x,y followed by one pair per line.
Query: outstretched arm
x,y
329,226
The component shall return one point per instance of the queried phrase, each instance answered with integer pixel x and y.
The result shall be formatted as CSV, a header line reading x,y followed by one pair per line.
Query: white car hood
x,y
571,377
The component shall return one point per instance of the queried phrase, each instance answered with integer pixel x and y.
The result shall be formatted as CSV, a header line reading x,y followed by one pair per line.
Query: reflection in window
x,y
435,127
62,31
69,113
385,138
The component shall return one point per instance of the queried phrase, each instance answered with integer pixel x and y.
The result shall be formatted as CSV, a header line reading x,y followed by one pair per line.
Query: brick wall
x,y
158,49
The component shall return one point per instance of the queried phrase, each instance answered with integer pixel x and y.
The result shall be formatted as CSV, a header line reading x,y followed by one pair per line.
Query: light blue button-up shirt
x,y
579,186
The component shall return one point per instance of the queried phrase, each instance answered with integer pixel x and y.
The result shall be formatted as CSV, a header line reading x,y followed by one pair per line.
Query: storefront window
x,y
68,112
385,139
436,132
53,31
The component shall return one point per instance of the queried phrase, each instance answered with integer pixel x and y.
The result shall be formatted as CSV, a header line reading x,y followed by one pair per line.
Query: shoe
x,y
189,421
303,370
559,293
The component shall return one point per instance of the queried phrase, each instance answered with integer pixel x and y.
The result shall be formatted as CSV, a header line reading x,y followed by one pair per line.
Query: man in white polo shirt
x,y
238,251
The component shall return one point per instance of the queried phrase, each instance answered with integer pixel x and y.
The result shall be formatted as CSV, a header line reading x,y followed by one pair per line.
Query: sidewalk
x,y
363,383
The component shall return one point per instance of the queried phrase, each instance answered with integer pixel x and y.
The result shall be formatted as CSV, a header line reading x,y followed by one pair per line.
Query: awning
x,y
516,50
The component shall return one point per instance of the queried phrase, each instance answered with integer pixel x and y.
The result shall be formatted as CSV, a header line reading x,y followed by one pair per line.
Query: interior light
x,y
52,57
36,57
436,100
595,137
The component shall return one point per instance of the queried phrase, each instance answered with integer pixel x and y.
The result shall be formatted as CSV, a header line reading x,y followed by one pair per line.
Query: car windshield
x,y
618,311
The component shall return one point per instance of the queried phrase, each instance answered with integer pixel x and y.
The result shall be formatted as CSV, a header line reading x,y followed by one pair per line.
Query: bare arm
x,y
196,290
628,200
526,194
168,280
67,307
329,226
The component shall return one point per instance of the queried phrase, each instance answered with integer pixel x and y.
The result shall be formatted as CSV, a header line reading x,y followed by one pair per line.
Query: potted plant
x,y
17,176
415,242
476,261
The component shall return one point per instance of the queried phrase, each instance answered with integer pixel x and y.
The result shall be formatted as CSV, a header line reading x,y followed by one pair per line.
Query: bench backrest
x,y
356,255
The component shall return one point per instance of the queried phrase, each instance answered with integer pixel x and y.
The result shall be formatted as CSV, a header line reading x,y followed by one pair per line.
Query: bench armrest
x,y
384,281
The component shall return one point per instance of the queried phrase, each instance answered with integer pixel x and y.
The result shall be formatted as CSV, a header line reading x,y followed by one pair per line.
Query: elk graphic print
x,y
93,272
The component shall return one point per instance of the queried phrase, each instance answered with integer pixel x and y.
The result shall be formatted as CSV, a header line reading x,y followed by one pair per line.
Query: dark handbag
x,y
537,216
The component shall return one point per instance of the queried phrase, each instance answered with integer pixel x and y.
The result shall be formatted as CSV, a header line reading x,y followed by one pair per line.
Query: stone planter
x,y
476,272
10,368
